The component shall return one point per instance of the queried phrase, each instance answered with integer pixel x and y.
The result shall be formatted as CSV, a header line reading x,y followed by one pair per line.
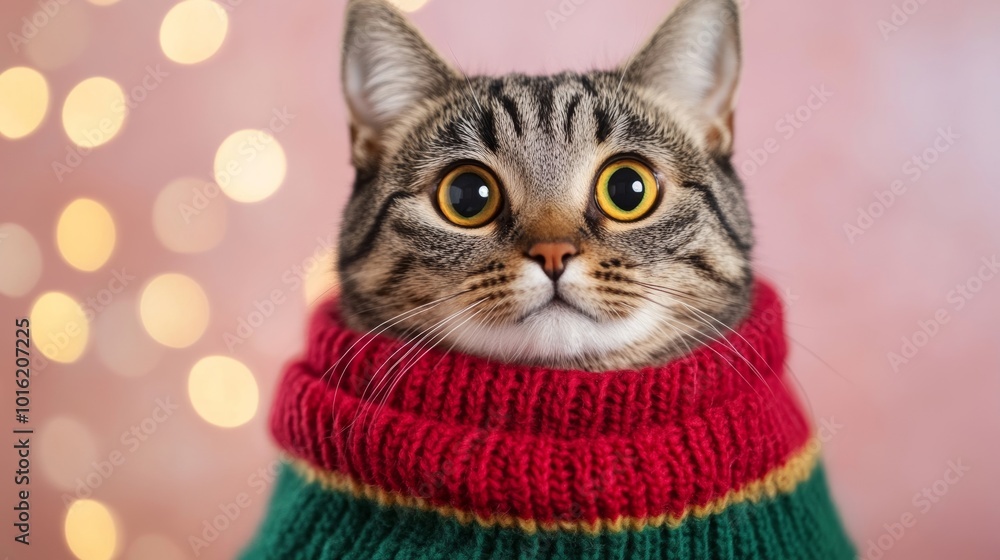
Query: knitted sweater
x,y
707,457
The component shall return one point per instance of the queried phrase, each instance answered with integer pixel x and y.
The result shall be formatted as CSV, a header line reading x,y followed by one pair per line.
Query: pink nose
x,y
552,256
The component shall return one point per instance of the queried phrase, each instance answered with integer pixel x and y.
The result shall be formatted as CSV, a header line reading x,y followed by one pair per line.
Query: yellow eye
x,y
469,196
626,190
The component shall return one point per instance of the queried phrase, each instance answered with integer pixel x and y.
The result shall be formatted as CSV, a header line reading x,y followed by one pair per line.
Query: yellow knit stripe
x,y
781,480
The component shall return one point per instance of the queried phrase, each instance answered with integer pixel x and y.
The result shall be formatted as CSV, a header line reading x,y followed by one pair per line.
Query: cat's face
x,y
576,220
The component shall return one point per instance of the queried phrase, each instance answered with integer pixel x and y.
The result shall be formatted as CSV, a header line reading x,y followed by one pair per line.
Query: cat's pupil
x,y
626,189
468,194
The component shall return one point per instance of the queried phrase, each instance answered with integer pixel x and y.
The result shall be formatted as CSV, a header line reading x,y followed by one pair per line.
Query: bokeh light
x,y
24,100
90,530
94,112
193,30
121,342
103,2
59,327
174,310
223,391
67,453
189,216
154,547
249,165
17,245
409,5
58,33
85,234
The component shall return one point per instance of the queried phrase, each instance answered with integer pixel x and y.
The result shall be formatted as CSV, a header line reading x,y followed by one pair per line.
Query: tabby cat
x,y
577,220
549,224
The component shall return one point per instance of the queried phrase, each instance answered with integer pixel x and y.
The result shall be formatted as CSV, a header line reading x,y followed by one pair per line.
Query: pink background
x,y
890,433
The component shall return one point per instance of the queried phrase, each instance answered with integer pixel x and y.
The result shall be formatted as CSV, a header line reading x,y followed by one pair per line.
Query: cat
x,y
578,220
582,241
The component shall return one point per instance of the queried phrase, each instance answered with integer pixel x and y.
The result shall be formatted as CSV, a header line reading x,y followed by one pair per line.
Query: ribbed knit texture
x,y
708,456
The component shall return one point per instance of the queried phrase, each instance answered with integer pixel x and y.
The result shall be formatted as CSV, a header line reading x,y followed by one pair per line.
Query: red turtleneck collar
x,y
547,445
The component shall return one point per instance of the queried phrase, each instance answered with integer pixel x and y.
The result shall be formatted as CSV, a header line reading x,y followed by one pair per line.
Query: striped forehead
x,y
542,135
548,128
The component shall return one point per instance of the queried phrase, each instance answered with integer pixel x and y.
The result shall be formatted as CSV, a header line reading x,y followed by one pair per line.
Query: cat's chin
x,y
557,334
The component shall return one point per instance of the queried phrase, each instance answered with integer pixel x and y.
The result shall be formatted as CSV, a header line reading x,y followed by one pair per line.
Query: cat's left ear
x,y
693,60
387,67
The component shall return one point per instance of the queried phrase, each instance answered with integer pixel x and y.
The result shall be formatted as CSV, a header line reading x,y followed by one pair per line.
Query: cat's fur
x,y
408,272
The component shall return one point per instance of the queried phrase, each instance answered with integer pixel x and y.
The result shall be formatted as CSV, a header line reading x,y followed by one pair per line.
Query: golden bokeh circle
x,y
90,529
223,391
193,31
24,101
249,165
94,112
174,310
59,328
85,234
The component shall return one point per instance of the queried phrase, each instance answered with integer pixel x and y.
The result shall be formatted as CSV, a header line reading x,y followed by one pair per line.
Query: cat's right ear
x,y
693,59
386,68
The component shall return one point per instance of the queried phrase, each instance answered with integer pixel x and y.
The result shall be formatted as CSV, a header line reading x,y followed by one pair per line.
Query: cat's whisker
x,y
385,325
396,372
721,337
489,320
409,348
798,383
725,338
702,341
695,298
412,348
379,329
705,338
792,373
468,82
687,347
361,311
821,360
493,321
401,371
682,334
625,67
408,343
